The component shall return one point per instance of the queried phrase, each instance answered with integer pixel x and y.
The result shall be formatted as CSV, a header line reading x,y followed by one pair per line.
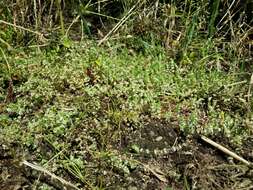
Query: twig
x,y
42,38
41,169
225,150
119,24
6,61
74,21
158,176
236,83
47,164
228,11
5,43
249,92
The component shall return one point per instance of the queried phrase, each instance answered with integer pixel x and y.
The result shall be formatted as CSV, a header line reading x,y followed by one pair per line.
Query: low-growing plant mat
x,y
111,118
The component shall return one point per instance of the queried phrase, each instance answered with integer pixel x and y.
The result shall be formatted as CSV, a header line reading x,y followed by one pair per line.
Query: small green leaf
x,y
135,148
66,42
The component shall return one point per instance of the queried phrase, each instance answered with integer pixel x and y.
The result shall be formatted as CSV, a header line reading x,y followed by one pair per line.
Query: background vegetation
x,y
166,20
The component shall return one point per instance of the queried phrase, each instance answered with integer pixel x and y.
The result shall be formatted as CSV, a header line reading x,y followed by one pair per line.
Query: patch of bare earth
x,y
187,162
167,159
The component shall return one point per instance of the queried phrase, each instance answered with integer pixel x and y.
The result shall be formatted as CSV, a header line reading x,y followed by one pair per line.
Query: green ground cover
x,y
73,109
118,94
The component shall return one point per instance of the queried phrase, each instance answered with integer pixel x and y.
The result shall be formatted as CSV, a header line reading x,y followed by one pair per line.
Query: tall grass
x,y
190,18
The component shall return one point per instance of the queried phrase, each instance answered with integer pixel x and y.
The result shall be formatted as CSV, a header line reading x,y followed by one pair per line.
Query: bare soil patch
x,y
169,160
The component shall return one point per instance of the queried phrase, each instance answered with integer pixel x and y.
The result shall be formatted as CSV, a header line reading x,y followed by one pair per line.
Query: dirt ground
x,y
169,160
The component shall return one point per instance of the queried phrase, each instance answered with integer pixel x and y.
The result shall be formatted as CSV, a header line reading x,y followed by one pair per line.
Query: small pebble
x,y
159,138
156,152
